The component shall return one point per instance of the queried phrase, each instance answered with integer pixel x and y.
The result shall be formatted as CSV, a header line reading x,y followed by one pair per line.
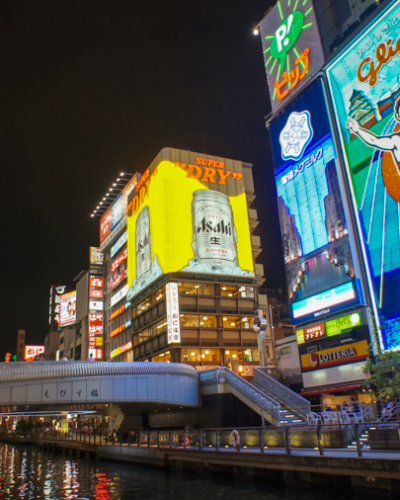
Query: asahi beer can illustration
x,y
143,245
214,235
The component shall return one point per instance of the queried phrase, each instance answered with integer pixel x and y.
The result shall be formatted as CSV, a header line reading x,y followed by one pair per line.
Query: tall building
x,y
180,282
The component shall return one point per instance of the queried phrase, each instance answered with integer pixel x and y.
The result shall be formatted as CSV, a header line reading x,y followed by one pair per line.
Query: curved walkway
x,y
52,382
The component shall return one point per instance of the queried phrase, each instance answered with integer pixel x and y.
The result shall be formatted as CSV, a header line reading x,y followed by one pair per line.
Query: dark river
x,y
28,473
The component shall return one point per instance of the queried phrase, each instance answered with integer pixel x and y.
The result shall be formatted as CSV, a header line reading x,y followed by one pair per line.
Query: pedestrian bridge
x,y
80,382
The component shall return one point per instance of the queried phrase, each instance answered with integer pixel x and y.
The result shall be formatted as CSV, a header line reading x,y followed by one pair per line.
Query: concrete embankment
x,y
375,474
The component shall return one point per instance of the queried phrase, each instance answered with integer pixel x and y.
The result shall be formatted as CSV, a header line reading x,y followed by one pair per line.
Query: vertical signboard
x,y
96,257
292,48
173,318
96,329
54,304
67,309
365,85
317,254
105,225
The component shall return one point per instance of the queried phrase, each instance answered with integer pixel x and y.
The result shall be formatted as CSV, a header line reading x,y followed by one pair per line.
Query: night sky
x,y
90,89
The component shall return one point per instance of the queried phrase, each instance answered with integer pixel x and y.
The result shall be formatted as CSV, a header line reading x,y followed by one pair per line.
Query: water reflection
x,y
28,473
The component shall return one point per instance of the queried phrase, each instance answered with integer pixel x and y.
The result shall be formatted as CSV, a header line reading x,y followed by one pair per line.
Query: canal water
x,y
28,473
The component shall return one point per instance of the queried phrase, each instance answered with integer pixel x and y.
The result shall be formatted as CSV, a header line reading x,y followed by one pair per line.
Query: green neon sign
x,y
286,36
338,325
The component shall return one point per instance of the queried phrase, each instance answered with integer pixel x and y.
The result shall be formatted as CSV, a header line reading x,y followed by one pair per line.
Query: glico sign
x,y
292,48
365,86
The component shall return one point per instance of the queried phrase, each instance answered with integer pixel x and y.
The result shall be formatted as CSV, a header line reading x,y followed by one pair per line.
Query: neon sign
x,y
383,58
291,46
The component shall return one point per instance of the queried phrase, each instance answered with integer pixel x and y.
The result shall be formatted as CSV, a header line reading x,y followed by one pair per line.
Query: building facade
x,y
180,280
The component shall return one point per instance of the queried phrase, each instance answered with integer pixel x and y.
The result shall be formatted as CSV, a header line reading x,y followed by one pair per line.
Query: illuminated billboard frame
x,y
292,49
188,213
33,350
330,328
340,355
110,221
317,249
67,309
324,303
96,256
365,89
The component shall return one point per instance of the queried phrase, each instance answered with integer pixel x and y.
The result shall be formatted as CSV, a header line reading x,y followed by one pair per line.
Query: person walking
x,y
65,358
235,439
90,358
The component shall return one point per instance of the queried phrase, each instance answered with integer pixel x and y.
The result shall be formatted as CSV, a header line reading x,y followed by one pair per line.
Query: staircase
x,y
269,401
294,408
363,440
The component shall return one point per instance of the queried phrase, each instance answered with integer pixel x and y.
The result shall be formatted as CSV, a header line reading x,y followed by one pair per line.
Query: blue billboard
x,y
315,236
365,85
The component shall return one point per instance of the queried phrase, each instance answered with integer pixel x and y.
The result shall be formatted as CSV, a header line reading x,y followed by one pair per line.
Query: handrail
x,y
359,438
223,375
43,370
283,394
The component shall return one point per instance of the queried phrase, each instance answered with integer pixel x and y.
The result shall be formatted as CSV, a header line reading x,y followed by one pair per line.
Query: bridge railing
x,y
222,375
354,439
44,370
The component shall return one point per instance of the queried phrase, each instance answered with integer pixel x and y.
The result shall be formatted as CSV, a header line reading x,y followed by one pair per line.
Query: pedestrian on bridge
x,y
235,440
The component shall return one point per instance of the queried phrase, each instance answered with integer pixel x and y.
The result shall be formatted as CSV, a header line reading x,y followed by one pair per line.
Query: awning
x,y
329,390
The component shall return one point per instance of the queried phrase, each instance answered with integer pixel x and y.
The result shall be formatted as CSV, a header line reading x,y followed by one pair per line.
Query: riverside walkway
x,y
298,454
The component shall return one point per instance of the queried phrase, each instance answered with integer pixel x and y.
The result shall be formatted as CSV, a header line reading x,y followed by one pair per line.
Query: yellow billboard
x,y
188,213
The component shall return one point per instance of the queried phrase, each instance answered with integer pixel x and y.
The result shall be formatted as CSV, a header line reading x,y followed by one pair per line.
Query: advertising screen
x,y
318,261
365,86
330,328
292,48
119,244
188,213
96,257
347,353
117,211
33,350
54,305
105,225
67,309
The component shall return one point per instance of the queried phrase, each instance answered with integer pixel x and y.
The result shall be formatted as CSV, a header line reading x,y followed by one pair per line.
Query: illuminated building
x,y
180,279
339,219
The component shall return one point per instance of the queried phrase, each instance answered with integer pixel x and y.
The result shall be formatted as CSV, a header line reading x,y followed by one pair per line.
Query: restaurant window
x,y
251,355
229,291
210,355
208,321
246,322
191,320
160,294
145,334
161,327
205,289
246,292
191,355
231,321
165,357
243,355
188,288
141,307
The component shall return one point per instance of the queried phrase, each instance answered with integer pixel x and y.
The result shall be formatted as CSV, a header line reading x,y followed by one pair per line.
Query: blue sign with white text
x,y
313,224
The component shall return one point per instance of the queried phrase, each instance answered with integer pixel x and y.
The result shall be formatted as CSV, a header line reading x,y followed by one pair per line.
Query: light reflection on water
x,y
28,473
